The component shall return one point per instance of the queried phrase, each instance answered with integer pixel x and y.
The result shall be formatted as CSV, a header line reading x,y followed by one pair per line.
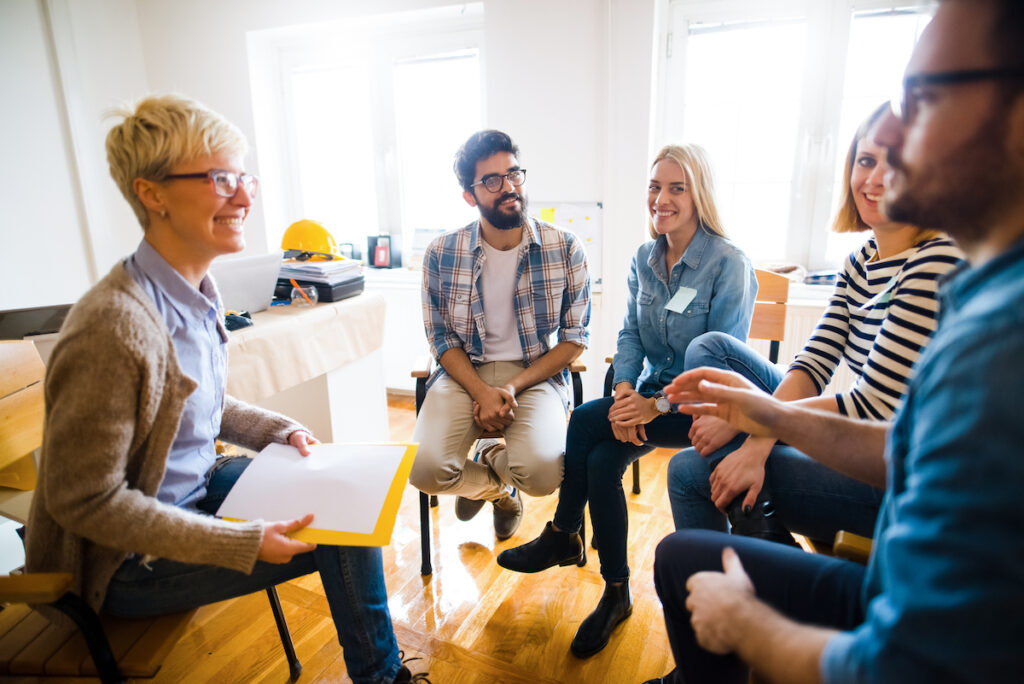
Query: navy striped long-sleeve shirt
x,y
879,319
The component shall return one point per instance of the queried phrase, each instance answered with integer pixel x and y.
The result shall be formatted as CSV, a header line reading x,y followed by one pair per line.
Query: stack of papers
x,y
323,272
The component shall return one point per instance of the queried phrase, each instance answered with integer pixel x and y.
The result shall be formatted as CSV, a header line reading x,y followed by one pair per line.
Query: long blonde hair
x,y
696,166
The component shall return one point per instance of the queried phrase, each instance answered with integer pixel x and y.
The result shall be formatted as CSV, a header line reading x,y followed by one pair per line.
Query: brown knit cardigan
x,y
114,396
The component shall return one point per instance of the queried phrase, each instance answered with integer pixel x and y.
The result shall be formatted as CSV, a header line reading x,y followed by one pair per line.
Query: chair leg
x,y
294,666
583,537
425,566
433,500
88,622
636,476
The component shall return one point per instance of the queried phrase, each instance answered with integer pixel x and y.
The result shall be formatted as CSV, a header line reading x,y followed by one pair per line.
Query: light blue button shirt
x,y
653,340
200,342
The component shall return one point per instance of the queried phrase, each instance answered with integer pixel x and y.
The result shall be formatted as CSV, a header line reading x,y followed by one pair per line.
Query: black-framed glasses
x,y
904,105
306,255
495,183
225,183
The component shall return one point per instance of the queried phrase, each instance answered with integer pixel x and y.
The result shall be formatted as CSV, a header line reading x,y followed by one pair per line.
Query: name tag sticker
x,y
681,299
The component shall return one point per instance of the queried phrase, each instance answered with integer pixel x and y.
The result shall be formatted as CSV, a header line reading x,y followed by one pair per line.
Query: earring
x,y
163,213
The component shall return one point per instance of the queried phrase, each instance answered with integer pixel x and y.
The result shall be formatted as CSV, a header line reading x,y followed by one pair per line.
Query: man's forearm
x,y
557,358
855,448
457,365
778,648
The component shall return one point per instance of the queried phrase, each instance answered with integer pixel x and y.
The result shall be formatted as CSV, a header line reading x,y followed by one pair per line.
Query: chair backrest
x,y
21,413
769,319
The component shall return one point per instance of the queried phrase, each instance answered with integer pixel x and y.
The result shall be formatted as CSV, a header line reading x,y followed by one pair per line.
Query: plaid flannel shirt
x,y
552,294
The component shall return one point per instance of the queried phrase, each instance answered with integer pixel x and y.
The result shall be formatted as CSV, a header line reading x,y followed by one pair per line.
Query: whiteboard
x,y
582,219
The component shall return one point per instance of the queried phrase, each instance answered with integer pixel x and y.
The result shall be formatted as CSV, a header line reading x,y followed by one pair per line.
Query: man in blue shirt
x,y
942,599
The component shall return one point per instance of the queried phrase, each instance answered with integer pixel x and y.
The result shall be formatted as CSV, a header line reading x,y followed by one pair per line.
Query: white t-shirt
x,y
498,281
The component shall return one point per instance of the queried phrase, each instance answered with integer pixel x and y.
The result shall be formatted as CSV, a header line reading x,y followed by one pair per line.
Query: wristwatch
x,y
662,403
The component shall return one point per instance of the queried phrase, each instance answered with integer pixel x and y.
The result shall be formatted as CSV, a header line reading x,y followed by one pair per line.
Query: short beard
x,y
501,220
963,194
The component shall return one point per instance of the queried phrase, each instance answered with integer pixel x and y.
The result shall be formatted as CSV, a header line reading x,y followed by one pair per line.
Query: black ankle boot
x,y
616,605
551,548
759,521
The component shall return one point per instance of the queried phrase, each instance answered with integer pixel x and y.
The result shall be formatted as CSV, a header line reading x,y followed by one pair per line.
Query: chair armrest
x,y
421,367
577,367
35,587
609,359
852,546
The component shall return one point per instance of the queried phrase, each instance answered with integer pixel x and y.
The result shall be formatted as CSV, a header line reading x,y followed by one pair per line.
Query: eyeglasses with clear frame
x,y
225,183
904,104
495,183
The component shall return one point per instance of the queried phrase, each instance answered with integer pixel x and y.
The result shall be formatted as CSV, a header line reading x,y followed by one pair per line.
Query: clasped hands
x,y
493,408
628,414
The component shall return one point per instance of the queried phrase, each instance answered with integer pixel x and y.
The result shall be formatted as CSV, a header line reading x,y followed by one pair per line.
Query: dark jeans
x,y
352,576
810,499
594,464
805,587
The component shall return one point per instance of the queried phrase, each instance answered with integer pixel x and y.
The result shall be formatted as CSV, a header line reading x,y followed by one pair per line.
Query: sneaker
x,y
551,548
466,509
405,675
508,513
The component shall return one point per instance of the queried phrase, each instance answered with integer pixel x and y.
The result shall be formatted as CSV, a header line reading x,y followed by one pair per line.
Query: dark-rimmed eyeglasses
x,y
306,255
225,183
904,105
495,183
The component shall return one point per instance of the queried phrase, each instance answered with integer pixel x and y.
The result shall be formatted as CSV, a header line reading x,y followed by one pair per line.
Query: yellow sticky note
x,y
547,214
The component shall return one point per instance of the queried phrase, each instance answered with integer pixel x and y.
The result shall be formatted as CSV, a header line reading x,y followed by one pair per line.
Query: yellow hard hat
x,y
309,236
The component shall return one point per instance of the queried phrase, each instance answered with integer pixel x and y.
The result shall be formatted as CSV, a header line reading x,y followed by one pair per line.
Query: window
x,y
756,84
363,119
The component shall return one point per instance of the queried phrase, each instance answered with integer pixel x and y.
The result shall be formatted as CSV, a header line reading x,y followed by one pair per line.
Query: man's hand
x,y
715,602
709,434
739,472
493,408
301,439
276,546
725,395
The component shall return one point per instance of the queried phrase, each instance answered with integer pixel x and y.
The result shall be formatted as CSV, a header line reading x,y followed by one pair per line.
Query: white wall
x,y
40,227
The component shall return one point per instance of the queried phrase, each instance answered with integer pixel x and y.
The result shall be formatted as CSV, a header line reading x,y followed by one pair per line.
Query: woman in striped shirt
x,y
879,319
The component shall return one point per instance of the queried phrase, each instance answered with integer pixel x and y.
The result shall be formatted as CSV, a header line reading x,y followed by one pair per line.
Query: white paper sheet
x,y
342,485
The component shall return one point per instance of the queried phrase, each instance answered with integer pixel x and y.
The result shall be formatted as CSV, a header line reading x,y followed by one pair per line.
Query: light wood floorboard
x,y
470,622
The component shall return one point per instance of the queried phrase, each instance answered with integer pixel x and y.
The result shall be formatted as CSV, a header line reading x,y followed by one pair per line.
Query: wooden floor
x,y
471,621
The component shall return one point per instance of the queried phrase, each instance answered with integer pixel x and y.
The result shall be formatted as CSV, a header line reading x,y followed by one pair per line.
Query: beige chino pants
x,y
531,459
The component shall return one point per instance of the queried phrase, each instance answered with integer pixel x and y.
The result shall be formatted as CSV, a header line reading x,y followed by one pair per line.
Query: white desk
x,y
321,365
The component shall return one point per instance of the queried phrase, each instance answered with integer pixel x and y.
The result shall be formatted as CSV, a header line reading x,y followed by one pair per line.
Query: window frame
x,y
815,157
377,42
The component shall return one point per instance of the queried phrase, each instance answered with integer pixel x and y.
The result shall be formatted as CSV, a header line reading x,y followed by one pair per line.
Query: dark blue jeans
x,y
352,576
594,464
810,499
806,587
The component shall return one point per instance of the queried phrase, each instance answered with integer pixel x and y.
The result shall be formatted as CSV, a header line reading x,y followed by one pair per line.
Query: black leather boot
x,y
759,521
551,548
615,606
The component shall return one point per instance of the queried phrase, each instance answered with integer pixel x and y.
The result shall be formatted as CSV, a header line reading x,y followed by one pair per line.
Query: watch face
x,y
662,404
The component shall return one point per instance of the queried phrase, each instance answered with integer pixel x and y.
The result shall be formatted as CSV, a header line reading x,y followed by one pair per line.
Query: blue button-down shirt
x,y
200,343
552,294
944,590
653,340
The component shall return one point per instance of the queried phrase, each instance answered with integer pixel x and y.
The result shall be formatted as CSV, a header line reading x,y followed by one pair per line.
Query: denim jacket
x,y
653,340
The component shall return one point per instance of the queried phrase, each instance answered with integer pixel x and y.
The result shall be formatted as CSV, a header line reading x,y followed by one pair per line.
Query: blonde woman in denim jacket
x,y
688,280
